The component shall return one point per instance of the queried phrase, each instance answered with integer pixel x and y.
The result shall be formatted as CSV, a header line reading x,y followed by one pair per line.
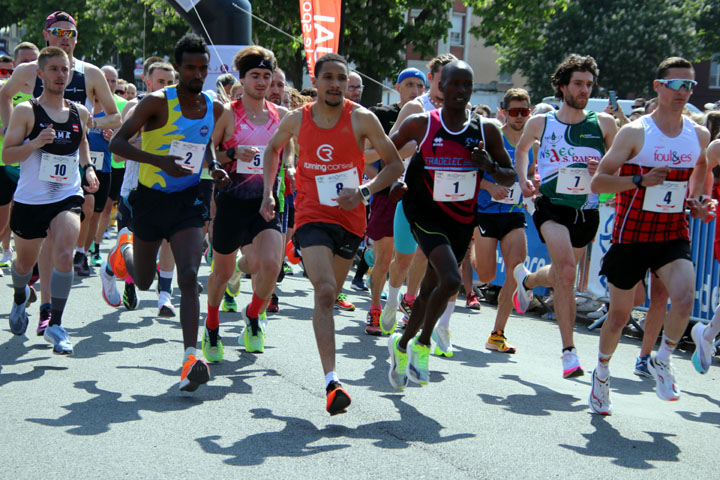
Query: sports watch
x,y
365,193
637,180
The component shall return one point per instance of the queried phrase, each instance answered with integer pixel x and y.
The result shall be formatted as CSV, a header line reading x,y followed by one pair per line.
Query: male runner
x,y
243,133
330,215
443,180
660,159
572,141
355,87
276,91
501,219
47,136
177,125
410,84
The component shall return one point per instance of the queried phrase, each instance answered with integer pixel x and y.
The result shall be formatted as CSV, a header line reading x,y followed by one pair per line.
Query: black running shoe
x,y
130,299
337,399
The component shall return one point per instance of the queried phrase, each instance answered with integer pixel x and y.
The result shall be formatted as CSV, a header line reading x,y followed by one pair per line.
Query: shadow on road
x,y
712,418
543,402
298,435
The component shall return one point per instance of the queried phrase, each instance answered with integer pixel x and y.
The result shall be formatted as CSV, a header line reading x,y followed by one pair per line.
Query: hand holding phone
x,y
613,99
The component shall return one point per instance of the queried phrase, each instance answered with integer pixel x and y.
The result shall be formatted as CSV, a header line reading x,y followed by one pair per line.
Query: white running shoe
x,y
571,364
110,292
600,396
702,357
388,319
58,337
522,297
443,344
665,386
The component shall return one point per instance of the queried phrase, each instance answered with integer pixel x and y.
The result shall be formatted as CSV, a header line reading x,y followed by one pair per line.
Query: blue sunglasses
x,y
677,83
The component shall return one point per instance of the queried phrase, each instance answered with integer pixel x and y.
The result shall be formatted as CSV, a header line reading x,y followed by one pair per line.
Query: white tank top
x,y
659,150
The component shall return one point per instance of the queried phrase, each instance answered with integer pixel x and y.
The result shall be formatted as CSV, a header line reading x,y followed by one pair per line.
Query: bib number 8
x,y
339,187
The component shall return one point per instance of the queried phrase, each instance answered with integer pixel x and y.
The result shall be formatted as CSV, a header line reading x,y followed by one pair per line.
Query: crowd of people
x,y
430,186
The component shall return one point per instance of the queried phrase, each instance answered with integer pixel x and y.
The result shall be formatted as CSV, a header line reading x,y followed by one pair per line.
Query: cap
x,y
58,16
411,72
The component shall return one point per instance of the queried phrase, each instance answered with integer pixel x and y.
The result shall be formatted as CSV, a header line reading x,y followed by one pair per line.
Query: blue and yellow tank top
x,y
179,128
485,202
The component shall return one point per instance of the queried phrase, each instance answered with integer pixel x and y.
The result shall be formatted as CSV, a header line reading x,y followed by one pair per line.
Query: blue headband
x,y
411,72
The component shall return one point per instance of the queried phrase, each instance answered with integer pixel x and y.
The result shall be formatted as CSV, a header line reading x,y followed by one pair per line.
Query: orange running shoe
x,y
337,398
116,260
194,373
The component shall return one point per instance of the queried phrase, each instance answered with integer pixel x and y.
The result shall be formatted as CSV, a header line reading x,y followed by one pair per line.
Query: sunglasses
x,y
62,32
677,83
119,92
522,111
6,71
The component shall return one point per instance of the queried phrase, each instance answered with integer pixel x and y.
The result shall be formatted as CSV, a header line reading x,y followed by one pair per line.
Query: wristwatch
x,y
230,152
637,180
365,193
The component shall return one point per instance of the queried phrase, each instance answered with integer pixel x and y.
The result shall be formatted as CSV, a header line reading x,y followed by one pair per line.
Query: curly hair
x,y
440,61
573,63
190,43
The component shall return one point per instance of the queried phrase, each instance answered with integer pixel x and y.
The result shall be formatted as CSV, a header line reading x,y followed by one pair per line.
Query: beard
x,y
575,103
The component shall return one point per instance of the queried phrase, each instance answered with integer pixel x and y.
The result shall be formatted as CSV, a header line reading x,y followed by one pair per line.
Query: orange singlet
x,y
329,160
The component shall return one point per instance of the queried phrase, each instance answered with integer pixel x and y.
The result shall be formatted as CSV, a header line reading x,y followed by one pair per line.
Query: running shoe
x,y
58,337
702,357
228,304
372,327
130,299
6,259
599,400
343,304
472,301
109,289
254,335
337,399
32,296
209,255
641,368
96,259
388,320
443,345
403,322
80,264
406,306
665,386
262,318
383,295
273,305
287,269
233,286
115,258
165,306
359,285
212,346
522,297
571,364
18,316
194,373
44,320
498,342
418,355
398,363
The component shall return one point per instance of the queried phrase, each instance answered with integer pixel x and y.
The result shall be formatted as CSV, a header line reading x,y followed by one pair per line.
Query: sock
x,y
667,346
212,321
19,284
409,298
129,280
375,307
603,366
444,320
568,349
165,280
60,285
712,329
253,310
81,251
331,377
393,297
189,351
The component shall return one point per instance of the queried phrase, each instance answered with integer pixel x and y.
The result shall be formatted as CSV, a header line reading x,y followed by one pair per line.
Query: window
x,y
457,32
715,71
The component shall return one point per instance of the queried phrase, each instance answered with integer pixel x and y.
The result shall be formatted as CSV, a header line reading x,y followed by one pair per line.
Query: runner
x,y
243,132
572,141
176,125
47,136
410,84
443,180
355,87
501,219
330,215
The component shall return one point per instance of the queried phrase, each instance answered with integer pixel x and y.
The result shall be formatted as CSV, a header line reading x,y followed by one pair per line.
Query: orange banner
x,y
320,20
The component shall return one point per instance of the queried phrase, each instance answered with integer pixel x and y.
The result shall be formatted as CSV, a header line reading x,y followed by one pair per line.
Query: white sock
x,y
331,377
712,329
393,299
444,320
80,250
603,366
667,347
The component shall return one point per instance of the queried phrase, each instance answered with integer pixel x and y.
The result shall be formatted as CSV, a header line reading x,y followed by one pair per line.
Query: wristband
x,y
90,165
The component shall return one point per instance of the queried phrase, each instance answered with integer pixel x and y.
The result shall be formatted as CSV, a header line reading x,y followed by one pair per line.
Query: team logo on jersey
x,y
204,131
437,142
551,139
75,128
324,152
471,142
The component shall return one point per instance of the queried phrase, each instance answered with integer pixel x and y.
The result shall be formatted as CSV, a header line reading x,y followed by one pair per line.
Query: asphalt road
x,y
113,410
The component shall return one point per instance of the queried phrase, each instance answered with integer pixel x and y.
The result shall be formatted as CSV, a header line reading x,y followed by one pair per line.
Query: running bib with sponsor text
x,y
514,195
58,168
668,197
253,167
573,181
454,186
329,186
97,159
192,154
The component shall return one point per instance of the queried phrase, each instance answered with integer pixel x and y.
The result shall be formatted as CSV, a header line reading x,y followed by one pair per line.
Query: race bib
x,y
668,197
573,181
97,159
58,168
454,186
254,167
329,186
514,195
192,154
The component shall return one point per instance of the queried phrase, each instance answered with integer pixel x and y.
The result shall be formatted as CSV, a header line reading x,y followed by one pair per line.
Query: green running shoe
x,y
228,303
212,346
418,355
253,337
233,286
398,364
